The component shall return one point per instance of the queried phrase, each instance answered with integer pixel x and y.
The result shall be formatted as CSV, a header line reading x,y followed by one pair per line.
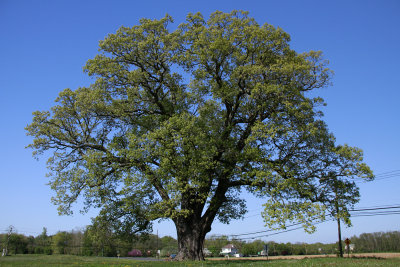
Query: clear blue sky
x,y
44,45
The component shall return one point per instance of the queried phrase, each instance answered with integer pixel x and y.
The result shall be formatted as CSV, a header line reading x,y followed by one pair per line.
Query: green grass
x,y
68,260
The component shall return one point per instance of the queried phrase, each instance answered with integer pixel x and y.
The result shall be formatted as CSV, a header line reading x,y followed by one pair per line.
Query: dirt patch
x,y
377,255
299,257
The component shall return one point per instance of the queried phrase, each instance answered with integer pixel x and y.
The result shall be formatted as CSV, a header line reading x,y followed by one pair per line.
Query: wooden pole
x,y
339,230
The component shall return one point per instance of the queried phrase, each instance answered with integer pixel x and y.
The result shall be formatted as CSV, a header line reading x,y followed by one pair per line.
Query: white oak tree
x,y
178,122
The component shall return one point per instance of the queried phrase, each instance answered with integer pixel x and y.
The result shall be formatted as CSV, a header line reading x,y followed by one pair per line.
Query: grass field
x,y
68,260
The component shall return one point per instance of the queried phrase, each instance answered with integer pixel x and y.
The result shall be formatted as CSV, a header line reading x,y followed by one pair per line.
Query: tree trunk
x,y
192,230
190,243
191,236
339,231
340,240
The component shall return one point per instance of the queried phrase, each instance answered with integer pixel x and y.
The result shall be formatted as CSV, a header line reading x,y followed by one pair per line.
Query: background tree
x,y
43,243
252,248
30,244
61,242
6,240
178,122
102,237
17,244
87,244
341,192
150,242
125,219
335,191
300,248
377,242
76,242
169,246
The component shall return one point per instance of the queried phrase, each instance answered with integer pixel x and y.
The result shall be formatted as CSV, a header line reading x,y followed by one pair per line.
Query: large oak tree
x,y
178,122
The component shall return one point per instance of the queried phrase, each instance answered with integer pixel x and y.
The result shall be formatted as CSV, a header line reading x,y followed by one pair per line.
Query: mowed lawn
x,y
68,260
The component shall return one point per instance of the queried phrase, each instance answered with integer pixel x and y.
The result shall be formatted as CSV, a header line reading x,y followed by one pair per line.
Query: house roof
x,y
230,246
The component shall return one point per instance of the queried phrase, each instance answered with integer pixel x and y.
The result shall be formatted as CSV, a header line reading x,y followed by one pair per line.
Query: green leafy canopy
x,y
178,122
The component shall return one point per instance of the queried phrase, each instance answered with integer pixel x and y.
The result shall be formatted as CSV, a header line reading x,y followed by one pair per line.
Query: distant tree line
x,y
97,241
92,241
377,242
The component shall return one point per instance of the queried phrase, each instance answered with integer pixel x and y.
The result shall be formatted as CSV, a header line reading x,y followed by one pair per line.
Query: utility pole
x,y
338,223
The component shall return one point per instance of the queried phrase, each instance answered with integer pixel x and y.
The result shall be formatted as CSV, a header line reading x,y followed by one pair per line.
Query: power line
x,y
378,208
387,173
383,176
270,230
376,214
284,231
355,213
297,228
396,172
367,208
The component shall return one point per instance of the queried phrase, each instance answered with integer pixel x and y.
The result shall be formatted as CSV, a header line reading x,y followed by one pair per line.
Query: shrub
x,y
135,253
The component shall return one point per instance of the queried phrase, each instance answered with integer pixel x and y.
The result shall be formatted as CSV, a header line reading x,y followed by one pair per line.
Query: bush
x,y
135,253
38,250
48,251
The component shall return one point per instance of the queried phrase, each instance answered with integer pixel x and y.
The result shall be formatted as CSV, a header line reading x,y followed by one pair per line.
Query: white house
x,y
229,249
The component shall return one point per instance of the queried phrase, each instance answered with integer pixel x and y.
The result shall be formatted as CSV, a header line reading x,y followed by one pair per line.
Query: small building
x,y
229,249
